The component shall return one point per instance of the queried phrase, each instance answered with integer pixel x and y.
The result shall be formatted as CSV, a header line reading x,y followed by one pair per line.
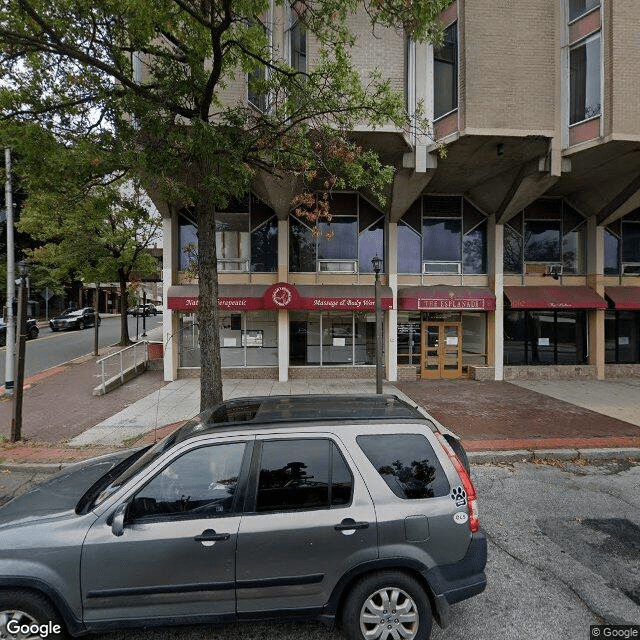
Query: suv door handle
x,y
209,535
350,523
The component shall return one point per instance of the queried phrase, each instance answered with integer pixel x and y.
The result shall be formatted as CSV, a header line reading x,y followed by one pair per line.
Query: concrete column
x,y
391,325
169,318
495,324
283,345
283,315
595,279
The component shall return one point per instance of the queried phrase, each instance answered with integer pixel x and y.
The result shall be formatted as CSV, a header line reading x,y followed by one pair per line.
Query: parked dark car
x,y
32,330
74,319
145,310
349,508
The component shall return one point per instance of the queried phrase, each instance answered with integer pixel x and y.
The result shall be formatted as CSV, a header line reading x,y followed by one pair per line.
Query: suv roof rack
x,y
271,410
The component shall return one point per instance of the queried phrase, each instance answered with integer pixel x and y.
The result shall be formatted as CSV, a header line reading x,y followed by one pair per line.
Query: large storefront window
x,y
248,339
545,337
442,235
331,339
246,238
547,232
409,337
474,339
346,243
622,337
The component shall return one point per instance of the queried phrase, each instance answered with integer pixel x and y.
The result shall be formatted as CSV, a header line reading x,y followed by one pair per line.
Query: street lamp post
x,y
16,420
376,261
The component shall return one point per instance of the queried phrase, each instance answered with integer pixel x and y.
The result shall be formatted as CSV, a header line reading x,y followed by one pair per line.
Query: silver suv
x,y
349,509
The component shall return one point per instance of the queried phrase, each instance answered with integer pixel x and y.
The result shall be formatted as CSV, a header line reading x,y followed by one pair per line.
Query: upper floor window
x,y
346,243
578,8
298,46
256,80
584,80
622,246
445,73
442,235
548,232
246,237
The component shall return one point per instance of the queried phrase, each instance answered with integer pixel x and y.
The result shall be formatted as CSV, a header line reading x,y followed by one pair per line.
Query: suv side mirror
x,y
117,519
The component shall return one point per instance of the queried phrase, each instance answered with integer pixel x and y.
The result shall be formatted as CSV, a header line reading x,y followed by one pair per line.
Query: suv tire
x,y
366,602
29,607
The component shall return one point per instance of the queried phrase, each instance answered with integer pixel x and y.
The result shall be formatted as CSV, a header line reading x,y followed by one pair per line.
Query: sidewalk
x,y
496,420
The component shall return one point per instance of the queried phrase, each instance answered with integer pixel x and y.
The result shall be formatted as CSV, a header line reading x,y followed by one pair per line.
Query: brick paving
x,y
499,415
58,403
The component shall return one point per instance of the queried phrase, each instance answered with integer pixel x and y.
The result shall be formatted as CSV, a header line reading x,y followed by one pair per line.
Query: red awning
x,y
624,297
550,297
446,298
253,297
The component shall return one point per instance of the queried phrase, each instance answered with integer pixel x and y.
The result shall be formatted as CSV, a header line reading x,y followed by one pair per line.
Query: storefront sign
x,y
343,304
454,303
241,304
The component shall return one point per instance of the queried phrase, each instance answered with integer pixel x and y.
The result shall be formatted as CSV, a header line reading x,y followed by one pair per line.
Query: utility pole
x,y
11,281
95,320
16,421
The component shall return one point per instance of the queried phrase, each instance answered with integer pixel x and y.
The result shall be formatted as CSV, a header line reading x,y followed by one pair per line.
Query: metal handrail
x,y
134,346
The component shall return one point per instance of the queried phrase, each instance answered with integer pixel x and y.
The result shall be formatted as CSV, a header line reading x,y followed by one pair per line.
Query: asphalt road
x,y
564,554
51,349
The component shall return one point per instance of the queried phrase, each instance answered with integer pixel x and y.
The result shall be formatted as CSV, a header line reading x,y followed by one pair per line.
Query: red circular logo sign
x,y
281,296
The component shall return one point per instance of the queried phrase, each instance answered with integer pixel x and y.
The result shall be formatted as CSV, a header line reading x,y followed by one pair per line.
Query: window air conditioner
x,y
553,270
337,266
442,267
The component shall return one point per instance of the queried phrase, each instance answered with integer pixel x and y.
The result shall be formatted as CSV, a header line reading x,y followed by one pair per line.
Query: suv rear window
x,y
407,463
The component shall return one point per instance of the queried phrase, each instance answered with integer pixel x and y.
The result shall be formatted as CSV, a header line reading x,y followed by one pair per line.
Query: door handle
x,y
209,535
349,523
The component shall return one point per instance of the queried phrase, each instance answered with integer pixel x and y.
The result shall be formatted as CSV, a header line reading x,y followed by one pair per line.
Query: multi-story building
x,y
516,255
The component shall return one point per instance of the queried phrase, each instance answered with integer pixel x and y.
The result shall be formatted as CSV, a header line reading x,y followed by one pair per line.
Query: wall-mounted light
x,y
500,148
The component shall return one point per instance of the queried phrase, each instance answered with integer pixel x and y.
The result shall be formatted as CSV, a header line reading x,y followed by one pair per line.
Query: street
x,y
51,349
564,553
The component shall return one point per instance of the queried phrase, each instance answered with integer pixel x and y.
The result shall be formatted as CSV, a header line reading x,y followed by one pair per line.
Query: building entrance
x,y
441,349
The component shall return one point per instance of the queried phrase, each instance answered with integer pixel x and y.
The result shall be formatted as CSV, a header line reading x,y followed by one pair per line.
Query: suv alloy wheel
x,y
385,606
27,608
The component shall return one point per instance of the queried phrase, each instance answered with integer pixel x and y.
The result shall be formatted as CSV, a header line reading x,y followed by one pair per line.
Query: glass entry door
x,y
441,350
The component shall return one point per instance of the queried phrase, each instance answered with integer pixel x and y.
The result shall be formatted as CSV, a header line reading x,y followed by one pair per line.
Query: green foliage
x,y
132,87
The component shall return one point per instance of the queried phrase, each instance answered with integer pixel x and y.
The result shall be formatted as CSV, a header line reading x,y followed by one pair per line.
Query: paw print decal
x,y
460,496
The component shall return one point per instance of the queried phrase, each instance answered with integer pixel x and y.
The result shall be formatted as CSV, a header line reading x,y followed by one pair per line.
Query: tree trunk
x,y
208,315
124,324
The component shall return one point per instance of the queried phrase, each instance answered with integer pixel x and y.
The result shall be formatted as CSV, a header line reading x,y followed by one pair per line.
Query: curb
x,y
475,457
34,467
526,455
